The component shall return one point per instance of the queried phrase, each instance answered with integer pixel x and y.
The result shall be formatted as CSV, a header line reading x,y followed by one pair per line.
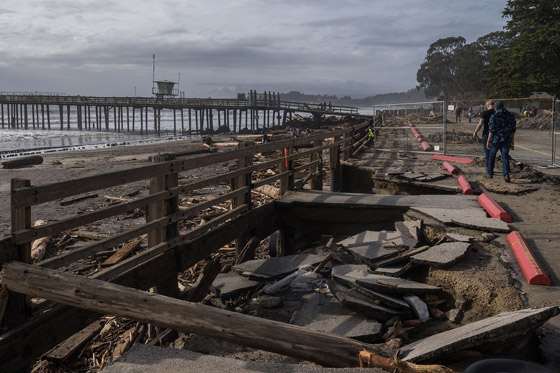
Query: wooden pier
x,y
143,114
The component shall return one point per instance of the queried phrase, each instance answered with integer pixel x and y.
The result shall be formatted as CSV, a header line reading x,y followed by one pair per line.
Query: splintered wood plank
x,y
121,253
65,349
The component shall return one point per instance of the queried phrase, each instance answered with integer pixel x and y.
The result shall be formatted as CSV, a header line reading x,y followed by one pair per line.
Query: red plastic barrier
x,y
449,167
531,269
426,146
451,159
493,209
465,186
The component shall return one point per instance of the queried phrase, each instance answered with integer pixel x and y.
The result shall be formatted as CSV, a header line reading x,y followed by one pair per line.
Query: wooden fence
x,y
30,334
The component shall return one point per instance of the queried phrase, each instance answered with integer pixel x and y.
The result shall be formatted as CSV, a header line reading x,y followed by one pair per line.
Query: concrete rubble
x,y
322,312
274,268
499,327
442,255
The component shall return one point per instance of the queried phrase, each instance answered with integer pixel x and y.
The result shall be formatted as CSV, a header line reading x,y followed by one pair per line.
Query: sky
x,y
218,48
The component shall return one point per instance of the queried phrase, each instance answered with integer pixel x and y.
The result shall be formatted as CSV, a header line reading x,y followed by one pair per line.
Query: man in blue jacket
x,y
501,136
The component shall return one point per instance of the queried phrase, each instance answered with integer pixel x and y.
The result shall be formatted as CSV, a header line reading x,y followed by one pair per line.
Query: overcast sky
x,y
105,47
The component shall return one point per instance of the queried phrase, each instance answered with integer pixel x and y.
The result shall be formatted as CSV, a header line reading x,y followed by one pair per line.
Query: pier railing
x,y
170,250
169,102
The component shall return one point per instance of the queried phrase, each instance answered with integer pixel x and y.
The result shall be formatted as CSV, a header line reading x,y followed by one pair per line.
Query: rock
x,y
458,237
454,315
488,237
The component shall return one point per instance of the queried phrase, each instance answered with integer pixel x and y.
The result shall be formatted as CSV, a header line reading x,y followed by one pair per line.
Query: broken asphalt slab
x,y
371,246
353,274
275,268
232,284
412,227
442,255
321,312
357,302
346,275
474,218
502,326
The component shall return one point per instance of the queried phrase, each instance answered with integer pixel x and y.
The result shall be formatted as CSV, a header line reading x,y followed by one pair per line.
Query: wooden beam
x,y
100,296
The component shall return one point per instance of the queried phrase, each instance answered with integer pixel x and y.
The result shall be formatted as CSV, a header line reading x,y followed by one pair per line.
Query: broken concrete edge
x,y
456,223
531,269
493,208
442,255
465,185
473,334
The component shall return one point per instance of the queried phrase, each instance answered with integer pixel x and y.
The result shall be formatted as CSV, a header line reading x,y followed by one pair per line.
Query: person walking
x,y
501,136
470,113
483,123
458,111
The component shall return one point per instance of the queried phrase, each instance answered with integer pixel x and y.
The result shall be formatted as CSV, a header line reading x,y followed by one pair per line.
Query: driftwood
x,y
204,281
367,359
65,349
291,340
39,246
121,253
78,199
23,162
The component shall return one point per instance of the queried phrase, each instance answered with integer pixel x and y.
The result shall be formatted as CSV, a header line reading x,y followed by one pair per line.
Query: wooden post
x,y
182,122
127,119
174,122
157,210
68,116
25,116
286,182
348,153
240,182
16,309
2,110
317,180
335,166
133,118
190,122
79,116
141,120
61,114
48,116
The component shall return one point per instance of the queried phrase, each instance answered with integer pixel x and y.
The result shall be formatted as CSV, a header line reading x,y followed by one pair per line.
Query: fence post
x,y
286,182
317,180
348,153
553,131
168,286
335,166
240,182
444,116
17,309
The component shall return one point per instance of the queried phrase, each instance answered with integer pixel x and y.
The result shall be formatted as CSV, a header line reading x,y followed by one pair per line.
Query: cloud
x,y
106,47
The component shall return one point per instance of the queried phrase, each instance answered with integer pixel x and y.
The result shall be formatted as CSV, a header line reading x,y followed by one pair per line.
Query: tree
x,y
529,61
437,74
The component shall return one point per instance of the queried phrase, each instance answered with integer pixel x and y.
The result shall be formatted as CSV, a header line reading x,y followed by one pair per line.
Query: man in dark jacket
x,y
483,123
501,136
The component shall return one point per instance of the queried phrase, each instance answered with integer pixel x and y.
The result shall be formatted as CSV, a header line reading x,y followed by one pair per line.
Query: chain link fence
x,y
448,127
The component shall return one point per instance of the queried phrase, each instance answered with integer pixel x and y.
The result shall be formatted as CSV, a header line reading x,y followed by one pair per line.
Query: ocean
x,y
23,142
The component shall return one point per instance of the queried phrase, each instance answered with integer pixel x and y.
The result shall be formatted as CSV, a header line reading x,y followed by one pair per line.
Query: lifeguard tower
x,y
164,88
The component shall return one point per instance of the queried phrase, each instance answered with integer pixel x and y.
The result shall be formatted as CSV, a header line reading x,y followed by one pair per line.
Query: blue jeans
x,y
503,147
486,151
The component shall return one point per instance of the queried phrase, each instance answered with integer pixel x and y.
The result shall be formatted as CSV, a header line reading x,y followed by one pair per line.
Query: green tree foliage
x,y
437,75
528,62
